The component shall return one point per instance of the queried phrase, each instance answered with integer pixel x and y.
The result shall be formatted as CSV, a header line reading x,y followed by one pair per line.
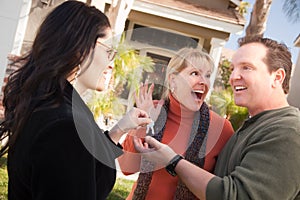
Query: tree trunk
x,y
258,19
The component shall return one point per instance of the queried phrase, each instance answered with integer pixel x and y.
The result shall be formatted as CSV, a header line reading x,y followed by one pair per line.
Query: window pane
x,y
158,75
163,39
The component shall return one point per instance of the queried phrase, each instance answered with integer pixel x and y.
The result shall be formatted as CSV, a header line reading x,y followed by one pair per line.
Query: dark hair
x,y
64,40
278,56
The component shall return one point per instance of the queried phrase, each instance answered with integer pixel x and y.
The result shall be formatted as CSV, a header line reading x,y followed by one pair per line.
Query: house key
x,y
150,127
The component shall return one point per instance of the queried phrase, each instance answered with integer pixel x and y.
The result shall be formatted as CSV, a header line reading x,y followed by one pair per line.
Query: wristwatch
x,y
172,164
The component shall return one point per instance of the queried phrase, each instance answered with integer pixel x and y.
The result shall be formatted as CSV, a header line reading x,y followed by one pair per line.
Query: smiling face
x,y
97,66
191,86
251,81
188,77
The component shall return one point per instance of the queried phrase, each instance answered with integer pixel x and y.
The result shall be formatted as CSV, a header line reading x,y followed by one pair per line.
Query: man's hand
x,y
154,151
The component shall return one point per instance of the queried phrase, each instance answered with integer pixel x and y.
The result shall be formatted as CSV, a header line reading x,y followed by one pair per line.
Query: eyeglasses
x,y
111,52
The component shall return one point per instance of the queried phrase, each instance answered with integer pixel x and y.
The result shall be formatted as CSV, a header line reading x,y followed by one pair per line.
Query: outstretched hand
x,y
153,150
145,102
134,119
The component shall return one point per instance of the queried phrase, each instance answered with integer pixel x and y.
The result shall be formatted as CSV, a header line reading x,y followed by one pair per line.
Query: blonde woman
x,y
184,122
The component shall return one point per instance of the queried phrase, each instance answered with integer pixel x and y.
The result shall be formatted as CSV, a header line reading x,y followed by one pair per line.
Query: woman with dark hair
x,y
55,148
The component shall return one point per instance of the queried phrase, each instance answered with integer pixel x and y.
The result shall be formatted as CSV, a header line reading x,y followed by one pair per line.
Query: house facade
x,y
160,28
293,96
154,28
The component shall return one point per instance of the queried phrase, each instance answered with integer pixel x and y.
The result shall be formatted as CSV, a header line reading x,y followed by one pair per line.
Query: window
x,y
158,75
163,39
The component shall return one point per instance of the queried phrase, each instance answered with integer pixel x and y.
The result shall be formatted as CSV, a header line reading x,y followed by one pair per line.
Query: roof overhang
x,y
187,17
297,41
236,2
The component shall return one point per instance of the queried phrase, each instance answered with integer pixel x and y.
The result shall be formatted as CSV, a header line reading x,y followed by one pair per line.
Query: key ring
x,y
150,126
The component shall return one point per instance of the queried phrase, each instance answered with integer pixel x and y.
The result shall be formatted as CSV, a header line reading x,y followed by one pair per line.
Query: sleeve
x,y
62,167
220,124
227,131
268,169
219,132
106,133
130,161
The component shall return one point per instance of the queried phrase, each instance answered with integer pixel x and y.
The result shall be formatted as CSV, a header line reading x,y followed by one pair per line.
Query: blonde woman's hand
x,y
145,102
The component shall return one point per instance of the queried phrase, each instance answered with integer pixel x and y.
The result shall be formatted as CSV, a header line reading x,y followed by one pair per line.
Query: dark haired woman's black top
x,y
62,154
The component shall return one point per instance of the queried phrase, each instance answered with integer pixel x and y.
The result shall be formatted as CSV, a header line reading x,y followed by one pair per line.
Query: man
x,y
261,160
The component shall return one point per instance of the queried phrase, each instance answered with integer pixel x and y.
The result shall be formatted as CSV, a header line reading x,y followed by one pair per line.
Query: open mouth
x,y
198,94
239,88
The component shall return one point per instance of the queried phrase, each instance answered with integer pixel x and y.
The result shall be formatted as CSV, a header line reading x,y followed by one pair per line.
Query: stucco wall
x,y
216,4
294,95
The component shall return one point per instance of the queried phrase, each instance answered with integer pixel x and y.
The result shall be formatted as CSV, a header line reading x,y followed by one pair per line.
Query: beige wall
x,y
294,95
177,26
217,4
37,14
13,19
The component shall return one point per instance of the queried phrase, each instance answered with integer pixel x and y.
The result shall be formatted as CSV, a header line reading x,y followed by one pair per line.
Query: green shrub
x,y
121,189
3,178
222,102
127,74
221,99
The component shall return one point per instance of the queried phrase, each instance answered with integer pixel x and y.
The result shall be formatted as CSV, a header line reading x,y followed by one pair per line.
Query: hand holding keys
x,y
150,126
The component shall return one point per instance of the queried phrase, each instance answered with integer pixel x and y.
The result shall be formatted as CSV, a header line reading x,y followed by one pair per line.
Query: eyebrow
x,y
200,70
245,63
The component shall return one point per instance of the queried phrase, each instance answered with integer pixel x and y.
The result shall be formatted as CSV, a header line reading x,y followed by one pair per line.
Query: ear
x,y
172,80
279,76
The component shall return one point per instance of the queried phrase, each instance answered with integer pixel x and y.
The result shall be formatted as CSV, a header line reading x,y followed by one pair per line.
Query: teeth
x,y
240,87
198,91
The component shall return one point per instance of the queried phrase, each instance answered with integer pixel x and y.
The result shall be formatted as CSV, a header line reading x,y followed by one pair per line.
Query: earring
x,y
76,75
172,90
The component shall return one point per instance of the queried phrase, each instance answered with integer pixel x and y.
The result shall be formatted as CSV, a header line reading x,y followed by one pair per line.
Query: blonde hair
x,y
183,58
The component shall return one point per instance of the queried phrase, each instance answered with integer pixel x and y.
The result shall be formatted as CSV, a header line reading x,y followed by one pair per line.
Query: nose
x,y
204,80
204,83
235,74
